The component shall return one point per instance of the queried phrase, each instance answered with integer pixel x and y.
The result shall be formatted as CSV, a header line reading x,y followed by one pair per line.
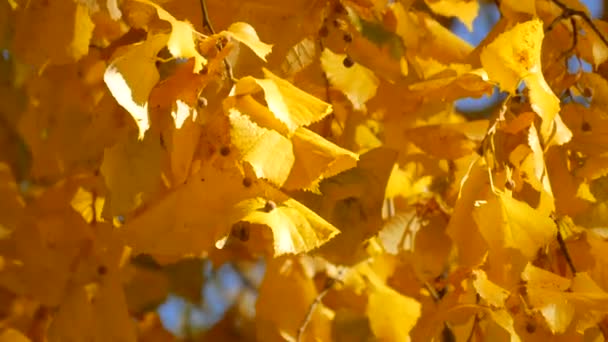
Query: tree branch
x,y
206,20
568,12
311,309
564,249
207,23
562,244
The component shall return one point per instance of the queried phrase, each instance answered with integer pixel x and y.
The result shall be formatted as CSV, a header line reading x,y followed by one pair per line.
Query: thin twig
x,y
206,20
568,12
207,23
562,244
564,249
574,38
473,328
311,309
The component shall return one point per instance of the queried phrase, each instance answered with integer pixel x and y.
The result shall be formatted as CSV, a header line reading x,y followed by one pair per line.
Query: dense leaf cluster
x,y
141,137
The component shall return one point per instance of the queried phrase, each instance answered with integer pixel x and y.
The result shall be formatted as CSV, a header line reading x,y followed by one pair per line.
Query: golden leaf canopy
x,y
266,170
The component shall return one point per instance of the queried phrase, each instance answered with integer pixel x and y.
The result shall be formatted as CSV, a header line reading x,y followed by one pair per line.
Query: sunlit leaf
x,y
357,82
254,143
464,10
132,76
181,43
292,106
246,34
506,222
514,56
295,228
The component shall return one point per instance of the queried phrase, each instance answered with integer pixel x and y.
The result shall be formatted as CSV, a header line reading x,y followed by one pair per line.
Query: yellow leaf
x,y
352,201
406,182
546,293
448,88
465,10
449,141
284,277
506,222
299,57
470,243
246,34
490,292
295,228
357,82
515,56
316,159
431,68
181,42
427,37
12,335
145,287
587,293
183,140
259,114
56,32
432,247
505,320
546,105
88,205
519,6
132,76
254,144
189,219
539,161
391,314
292,106
182,112
131,170
12,205
95,311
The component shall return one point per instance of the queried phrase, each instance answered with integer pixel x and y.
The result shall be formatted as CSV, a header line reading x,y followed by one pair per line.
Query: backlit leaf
x,y
246,34
254,143
181,42
56,32
515,56
295,228
464,10
506,222
357,82
292,106
132,76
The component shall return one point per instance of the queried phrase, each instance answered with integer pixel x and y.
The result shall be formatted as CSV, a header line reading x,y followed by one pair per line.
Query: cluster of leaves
x,y
320,135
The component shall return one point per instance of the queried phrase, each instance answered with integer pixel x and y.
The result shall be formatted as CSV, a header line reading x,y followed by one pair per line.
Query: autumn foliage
x,y
139,138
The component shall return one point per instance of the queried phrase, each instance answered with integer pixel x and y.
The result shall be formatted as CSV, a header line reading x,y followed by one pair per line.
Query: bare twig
x,y
564,249
207,23
311,309
562,243
568,12
574,37
473,328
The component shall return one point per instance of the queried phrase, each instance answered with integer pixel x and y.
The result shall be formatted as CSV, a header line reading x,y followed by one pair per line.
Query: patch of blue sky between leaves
x,y
220,291
485,21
